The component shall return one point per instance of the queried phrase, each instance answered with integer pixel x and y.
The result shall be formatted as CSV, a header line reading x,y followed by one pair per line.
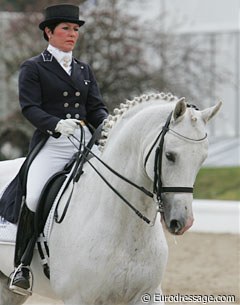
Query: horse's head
x,y
176,158
159,139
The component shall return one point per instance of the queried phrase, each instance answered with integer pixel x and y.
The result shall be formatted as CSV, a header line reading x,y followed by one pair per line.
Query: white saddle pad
x,y
7,232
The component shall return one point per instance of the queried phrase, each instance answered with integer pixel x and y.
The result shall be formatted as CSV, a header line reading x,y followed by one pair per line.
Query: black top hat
x,y
61,13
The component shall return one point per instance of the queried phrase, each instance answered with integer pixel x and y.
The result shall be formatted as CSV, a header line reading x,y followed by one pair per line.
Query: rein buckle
x,y
159,209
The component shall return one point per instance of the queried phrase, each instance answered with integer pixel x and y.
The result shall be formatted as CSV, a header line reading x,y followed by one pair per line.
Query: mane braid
x,y
124,107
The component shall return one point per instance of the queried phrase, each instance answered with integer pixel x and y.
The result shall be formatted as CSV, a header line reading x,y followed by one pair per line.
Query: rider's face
x,y
64,36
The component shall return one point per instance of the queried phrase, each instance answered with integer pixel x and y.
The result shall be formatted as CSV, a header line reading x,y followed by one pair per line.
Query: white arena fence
x,y
216,216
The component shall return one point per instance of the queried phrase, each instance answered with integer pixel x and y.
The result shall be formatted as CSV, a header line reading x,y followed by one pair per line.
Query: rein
x,y
158,188
140,188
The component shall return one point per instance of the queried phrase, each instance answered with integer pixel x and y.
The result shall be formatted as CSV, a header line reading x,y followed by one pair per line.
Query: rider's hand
x,y
67,127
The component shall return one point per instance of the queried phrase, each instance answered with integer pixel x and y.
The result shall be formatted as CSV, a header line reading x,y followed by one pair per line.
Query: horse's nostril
x,y
175,225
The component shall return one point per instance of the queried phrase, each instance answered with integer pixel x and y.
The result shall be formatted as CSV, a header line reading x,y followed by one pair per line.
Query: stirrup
x,y
19,290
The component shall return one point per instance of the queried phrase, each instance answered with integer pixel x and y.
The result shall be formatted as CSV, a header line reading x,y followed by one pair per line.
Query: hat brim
x,y
51,21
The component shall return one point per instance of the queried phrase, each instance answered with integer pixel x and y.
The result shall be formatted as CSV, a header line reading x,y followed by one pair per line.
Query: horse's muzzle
x,y
177,226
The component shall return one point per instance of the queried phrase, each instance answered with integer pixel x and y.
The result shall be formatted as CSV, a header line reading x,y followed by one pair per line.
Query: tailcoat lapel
x,y
76,74
50,63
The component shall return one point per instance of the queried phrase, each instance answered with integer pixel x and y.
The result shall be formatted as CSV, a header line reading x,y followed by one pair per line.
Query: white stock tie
x,y
66,61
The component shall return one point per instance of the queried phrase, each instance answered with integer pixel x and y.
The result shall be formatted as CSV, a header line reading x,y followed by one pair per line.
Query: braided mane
x,y
129,104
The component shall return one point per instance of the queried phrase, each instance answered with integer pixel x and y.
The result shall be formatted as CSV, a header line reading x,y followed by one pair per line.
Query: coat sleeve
x,y
96,110
30,98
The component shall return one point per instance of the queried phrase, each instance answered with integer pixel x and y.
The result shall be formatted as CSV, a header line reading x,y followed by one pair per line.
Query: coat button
x,y
66,105
68,116
77,116
77,93
77,105
65,93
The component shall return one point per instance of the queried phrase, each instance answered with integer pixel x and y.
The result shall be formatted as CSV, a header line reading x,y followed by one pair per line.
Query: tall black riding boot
x,y
25,242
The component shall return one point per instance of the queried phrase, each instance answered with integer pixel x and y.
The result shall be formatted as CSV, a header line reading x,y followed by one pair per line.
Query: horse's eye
x,y
170,156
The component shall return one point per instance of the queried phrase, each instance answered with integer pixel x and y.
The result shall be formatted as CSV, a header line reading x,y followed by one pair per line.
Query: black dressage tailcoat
x,y
48,94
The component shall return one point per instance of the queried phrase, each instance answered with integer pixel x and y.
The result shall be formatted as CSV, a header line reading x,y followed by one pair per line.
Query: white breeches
x,y
52,158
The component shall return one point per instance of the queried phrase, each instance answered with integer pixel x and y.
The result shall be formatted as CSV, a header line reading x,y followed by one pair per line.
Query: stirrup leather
x,y
19,290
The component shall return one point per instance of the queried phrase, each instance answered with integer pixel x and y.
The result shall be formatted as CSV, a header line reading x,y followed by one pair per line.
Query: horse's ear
x,y
180,109
209,113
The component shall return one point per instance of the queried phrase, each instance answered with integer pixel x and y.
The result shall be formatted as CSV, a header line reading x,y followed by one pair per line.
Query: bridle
x,y
158,188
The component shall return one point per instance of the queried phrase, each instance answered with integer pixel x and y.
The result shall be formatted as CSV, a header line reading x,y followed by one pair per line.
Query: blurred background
x,y
188,47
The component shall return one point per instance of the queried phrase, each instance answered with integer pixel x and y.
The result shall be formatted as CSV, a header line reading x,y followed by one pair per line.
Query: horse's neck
x,y
124,153
128,165
125,150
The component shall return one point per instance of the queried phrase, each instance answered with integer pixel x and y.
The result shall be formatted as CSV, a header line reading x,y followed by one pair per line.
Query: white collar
x,y
58,54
